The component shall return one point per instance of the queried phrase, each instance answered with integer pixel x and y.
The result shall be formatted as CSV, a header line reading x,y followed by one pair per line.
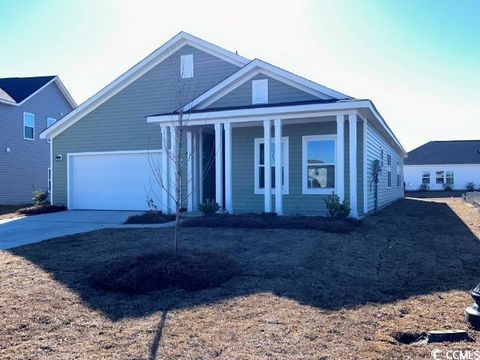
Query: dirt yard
x,y
302,294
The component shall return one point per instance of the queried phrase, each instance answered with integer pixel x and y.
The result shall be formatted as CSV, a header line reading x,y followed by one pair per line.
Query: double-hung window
x,y
440,177
449,177
426,177
399,174
389,171
318,162
259,155
28,126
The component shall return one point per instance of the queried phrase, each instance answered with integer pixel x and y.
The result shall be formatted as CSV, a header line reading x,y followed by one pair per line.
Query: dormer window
x,y
260,91
186,66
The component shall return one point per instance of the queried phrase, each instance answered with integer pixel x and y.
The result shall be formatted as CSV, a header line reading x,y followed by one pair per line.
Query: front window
x,y
426,178
439,177
449,179
319,155
260,165
28,126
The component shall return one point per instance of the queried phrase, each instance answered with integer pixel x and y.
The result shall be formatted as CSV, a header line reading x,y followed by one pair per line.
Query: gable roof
x,y
17,90
137,71
445,152
253,68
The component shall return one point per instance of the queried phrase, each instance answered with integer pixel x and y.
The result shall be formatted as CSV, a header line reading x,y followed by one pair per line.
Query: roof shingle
x,y
20,88
445,152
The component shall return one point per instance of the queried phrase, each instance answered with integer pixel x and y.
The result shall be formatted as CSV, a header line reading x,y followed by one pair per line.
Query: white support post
x,y
228,168
219,165
278,167
352,122
173,169
267,164
365,168
201,175
340,173
189,172
195,171
164,171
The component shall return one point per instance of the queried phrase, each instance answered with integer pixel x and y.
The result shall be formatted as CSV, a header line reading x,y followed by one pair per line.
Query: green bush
x,y
40,198
337,209
470,186
424,187
209,207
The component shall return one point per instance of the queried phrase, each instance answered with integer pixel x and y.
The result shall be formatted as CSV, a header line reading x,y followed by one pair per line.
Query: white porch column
x,y
340,173
267,164
278,167
195,171
173,168
164,174
201,175
228,167
190,175
352,122
219,165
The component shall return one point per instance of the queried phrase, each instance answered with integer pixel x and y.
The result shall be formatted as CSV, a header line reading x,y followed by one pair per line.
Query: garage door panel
x,y
113,181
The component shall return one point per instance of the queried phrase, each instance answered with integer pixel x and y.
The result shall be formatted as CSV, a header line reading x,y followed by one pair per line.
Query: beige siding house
x,y
109,153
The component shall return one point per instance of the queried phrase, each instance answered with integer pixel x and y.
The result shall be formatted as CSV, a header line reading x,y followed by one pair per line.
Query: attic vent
x,y
186,66
260,91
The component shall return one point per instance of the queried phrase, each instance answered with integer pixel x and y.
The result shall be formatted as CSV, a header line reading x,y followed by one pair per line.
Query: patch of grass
x,y
150,217
190,271
41,209
272,221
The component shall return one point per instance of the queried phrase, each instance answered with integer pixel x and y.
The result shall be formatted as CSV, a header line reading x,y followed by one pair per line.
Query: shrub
x,y
447,187
470,186
150,217
190,271
41,209
337,209
40,198
424,188
209,207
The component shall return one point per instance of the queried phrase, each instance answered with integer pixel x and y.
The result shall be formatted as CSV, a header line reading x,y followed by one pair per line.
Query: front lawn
x,y
301,294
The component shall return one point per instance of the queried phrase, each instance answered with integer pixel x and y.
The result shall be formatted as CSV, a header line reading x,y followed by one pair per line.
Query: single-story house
x,y
235,110
437,163
28,105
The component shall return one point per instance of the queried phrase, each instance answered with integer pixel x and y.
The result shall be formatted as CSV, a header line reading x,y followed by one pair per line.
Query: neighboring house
x,y
239,107
27,107
436,163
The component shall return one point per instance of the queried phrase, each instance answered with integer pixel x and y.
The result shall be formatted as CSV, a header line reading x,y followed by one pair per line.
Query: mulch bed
x,y
39,209
271,221
150,217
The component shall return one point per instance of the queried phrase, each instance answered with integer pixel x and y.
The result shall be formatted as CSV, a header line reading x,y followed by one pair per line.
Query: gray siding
x,y
375,143
24,168
119,123
278,92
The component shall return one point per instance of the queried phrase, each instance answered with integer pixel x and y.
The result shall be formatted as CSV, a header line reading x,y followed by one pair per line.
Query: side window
x,y
389,171
28,126
426,178
439,177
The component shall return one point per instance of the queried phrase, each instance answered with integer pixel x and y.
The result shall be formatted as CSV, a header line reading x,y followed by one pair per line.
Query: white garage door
x,y
113,181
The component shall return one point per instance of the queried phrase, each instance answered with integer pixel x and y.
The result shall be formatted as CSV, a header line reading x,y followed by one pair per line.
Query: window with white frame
x,y
426,178
186,66
49,184
260,91
440,177
28,126
50,121
399,174
259,155
449,177
389,170
318,162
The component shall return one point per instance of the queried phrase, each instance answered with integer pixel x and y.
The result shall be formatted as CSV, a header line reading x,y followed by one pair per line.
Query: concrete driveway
x,y
26,230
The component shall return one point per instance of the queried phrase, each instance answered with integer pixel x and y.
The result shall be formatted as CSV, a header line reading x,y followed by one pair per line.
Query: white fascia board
x,y
137,71
65,92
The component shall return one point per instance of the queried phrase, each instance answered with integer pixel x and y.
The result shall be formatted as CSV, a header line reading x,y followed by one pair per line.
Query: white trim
x,y
228,168
51,167
190,184
289,78
165,171
267,178
200,166
256,155
321,191
135,72
70,155
365,168
32,127
219,165
173,170
277,124
60,86
340,166
352,133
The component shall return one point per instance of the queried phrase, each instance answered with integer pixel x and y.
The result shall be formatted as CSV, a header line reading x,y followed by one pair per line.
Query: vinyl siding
x,y
278,92
375,142
244,197
119,123
25,168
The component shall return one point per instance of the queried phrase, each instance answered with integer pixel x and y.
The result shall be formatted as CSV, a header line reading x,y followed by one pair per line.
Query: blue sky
x,y
419,61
